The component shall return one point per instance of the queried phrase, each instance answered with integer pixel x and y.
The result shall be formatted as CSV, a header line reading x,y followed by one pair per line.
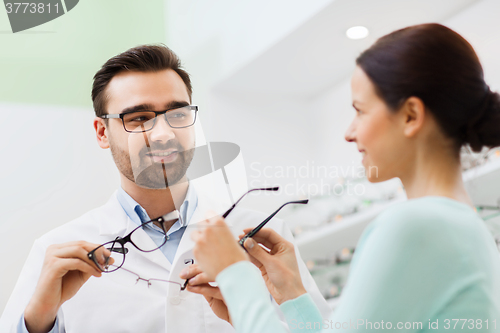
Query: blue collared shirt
x,y
138,215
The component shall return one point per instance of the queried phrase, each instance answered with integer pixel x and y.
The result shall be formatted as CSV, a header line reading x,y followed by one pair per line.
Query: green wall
x,y
54,63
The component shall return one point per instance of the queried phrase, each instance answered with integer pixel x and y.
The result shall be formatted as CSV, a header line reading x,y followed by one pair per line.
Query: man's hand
x,y
199,284
65,269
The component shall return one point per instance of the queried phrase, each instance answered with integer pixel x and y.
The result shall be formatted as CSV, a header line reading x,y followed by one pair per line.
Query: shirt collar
x,y
138,214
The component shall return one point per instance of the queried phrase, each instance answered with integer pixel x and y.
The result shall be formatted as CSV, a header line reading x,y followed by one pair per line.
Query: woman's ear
x,y
414,113
101,133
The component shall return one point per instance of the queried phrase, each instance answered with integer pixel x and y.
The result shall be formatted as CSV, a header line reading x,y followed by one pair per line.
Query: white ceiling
x,y
318,55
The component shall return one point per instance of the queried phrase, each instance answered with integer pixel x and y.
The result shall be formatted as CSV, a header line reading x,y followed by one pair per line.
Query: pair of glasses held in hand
x,y
110,256
108,262
263,223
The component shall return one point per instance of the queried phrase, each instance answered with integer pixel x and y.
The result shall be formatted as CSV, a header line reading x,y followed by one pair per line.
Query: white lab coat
x,y
106,305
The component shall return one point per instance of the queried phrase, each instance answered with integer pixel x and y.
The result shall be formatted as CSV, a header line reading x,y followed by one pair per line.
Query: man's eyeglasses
x,y
143,121
112,259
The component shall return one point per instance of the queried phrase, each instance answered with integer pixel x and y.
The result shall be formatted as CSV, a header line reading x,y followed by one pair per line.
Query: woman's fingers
x,y
190,272
254,261
256,251
215,247
267,237
206,290
195,275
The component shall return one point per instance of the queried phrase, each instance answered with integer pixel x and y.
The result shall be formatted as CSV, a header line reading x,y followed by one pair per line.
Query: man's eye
x,y
140,118
177,115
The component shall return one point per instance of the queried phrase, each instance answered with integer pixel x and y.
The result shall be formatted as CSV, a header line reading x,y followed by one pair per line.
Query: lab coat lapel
x,y
112,218
184,253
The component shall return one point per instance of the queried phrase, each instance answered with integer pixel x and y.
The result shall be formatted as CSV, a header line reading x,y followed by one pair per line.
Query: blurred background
x,y
269,75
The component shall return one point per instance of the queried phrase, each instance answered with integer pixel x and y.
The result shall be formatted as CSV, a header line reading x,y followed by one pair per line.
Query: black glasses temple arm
x,y
276,188
185,284
263,223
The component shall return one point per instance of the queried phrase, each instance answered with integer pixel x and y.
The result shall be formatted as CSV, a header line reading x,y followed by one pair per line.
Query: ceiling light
x,y
357,32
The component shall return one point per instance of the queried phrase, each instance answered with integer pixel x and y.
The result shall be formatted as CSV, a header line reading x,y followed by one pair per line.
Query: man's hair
x,y
143,58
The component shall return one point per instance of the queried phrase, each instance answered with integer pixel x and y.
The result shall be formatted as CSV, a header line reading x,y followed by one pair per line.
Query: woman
x,y
421,265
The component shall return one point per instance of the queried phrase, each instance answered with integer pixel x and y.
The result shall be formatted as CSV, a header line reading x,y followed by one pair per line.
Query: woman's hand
x,y
278,266
199,284
216,248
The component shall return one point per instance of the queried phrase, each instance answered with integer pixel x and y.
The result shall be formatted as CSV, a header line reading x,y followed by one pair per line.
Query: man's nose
x,y
161,130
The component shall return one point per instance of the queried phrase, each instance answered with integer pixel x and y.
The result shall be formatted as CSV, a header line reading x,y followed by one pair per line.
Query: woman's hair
x,y
437,65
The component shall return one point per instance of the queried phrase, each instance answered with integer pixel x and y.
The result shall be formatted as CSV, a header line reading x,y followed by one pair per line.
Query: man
x,y
142,100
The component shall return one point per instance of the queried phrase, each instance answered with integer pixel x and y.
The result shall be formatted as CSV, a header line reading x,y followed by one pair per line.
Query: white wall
x,y
479,24
52,171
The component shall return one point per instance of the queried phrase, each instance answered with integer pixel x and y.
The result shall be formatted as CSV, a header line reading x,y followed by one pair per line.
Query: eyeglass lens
x,y
109,256
142,121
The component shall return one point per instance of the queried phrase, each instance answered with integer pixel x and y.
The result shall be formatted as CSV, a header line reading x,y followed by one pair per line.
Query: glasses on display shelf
x,y
331,274
470,159
481,209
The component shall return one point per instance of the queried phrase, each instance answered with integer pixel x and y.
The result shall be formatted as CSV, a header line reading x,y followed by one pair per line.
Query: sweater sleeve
x,y
247,299
302,314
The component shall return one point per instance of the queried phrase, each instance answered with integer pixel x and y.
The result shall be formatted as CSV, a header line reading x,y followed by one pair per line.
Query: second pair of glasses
x,y
263,223
110,256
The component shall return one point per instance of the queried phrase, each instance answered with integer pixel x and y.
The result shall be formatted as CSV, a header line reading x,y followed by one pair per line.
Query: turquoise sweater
x,y
425,265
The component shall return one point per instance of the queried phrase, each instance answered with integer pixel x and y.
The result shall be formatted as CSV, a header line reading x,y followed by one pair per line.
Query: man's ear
x,y
101,133
414,114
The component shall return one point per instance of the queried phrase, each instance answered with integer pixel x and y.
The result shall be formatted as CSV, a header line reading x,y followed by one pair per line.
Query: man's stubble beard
x,y
155,175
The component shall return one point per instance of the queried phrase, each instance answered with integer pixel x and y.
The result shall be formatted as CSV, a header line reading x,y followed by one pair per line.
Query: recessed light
x,y
357,32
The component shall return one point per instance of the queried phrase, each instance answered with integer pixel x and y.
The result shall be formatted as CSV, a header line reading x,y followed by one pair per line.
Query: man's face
x,y
157,158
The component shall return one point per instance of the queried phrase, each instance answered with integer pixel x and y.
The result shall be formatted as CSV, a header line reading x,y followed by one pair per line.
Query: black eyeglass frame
x,y
267,219
157,113
263,223
254,189
127,239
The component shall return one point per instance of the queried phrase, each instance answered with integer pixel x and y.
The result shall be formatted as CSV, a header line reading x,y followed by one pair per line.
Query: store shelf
x,y
325,241
490,169
483,183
